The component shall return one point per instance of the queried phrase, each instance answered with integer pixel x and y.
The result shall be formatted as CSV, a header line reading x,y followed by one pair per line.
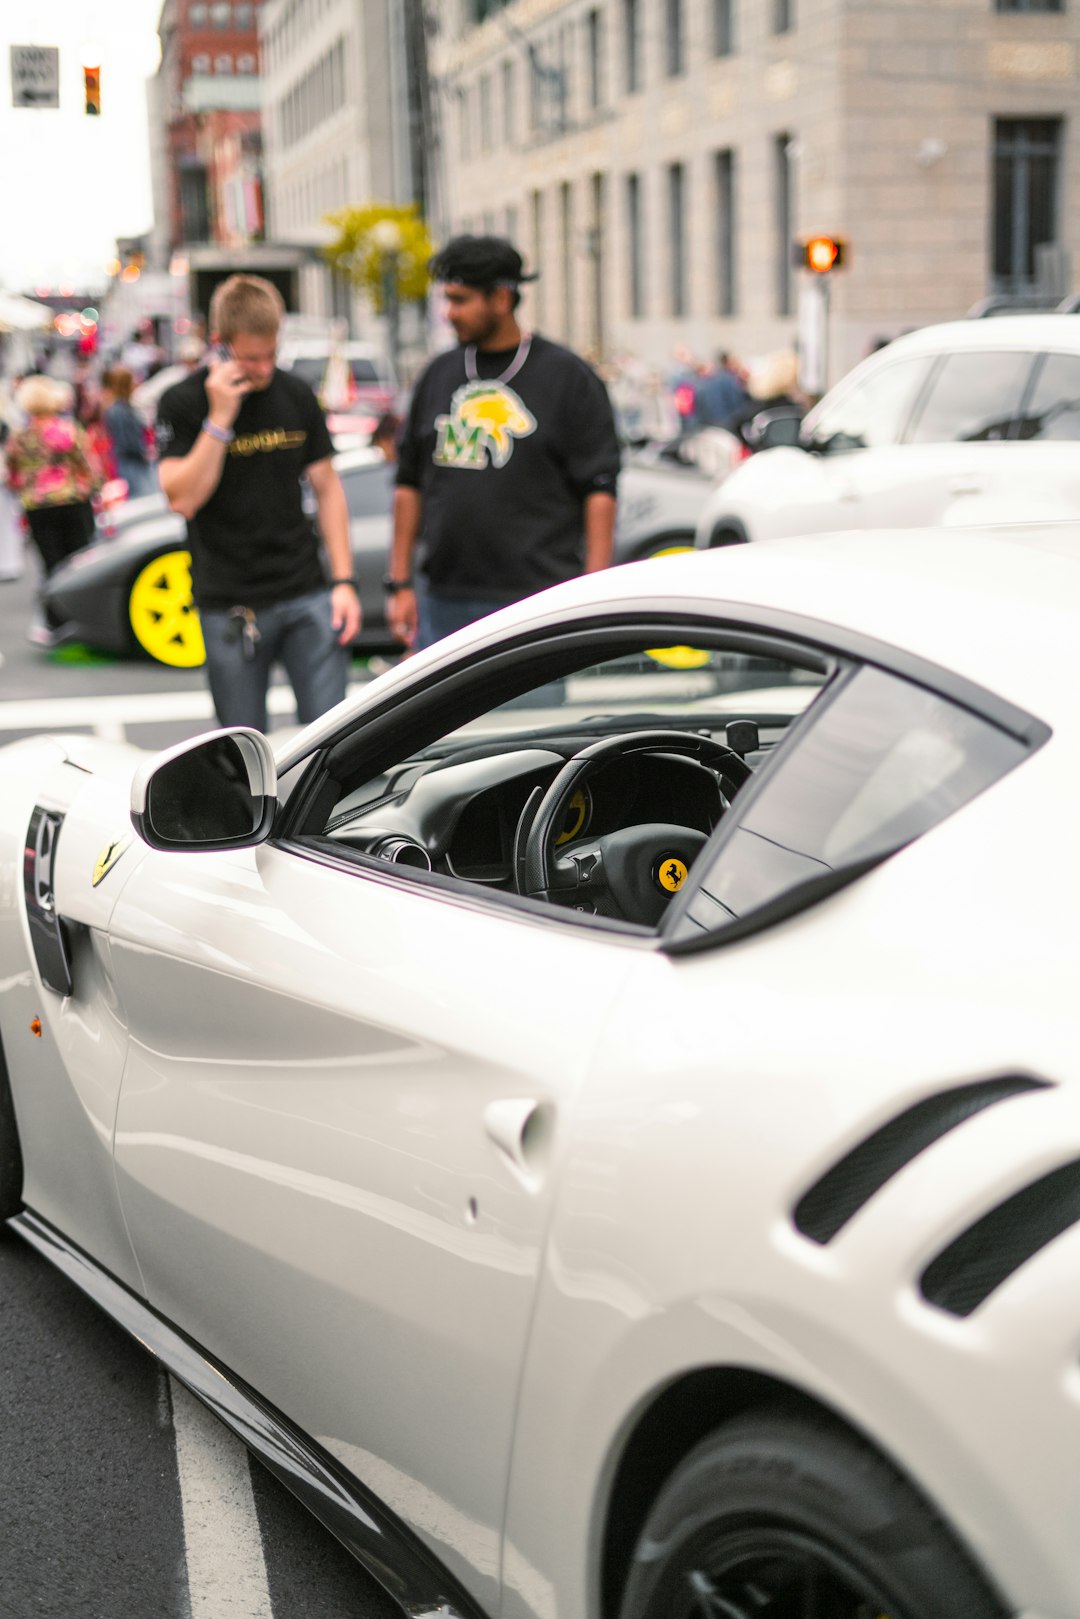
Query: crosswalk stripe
x,y
225,1562
109,716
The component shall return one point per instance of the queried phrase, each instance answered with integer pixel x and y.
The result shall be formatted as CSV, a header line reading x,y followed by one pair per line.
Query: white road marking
x,y
225,1563
110,717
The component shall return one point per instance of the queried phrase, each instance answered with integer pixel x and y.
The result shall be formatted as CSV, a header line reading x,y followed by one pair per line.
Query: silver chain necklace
x,y
512,369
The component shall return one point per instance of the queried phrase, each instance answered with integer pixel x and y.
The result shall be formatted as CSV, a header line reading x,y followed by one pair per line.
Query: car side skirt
x,y
379,1541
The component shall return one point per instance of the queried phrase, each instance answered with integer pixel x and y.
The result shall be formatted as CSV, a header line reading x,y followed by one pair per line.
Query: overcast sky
x,y
69,184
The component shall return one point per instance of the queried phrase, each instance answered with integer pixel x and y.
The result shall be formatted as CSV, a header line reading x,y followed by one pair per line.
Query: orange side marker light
x,y
35,1027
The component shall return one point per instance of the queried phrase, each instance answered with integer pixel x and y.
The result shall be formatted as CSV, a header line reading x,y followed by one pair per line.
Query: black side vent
x,y
827,1206
987,1253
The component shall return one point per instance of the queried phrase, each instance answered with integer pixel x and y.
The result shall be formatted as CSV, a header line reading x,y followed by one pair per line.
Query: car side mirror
x,y
215,792
771,429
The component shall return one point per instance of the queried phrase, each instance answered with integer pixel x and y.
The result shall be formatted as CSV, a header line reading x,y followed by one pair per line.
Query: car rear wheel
x,y
164,619
788,1518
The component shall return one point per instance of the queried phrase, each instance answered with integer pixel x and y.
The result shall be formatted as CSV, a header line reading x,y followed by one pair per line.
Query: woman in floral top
x,y
52,471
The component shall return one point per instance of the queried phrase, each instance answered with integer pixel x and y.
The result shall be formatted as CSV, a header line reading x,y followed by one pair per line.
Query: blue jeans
x,y
442,615
296,633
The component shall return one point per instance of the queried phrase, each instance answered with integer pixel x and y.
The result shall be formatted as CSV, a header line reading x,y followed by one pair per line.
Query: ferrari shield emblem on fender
x,y
671,874
107,859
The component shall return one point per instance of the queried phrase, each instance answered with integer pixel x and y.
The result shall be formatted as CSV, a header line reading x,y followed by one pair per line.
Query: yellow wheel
x,y
164,619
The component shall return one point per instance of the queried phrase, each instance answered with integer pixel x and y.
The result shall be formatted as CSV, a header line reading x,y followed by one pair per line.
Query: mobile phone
x,y
222,351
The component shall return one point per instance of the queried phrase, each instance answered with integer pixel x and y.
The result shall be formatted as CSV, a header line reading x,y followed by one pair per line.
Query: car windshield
x,y
657,688
311,368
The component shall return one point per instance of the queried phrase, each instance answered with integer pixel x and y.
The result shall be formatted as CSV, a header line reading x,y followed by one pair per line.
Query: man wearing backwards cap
x,y
507,462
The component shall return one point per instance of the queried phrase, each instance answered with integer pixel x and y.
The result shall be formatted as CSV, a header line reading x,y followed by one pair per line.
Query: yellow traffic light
x,y
822,254
92,89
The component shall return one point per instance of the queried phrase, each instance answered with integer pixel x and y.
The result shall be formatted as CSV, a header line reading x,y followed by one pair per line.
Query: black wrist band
x,y
392,585
350,581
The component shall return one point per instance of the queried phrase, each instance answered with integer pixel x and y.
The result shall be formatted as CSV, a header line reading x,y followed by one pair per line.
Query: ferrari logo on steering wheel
x,y
671,873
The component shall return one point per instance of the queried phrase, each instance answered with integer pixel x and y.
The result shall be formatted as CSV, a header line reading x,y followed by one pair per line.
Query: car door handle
x,y
522,1128
966,486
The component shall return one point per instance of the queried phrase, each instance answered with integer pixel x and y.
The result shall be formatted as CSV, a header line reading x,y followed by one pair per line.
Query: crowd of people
x,y
61,442
693,393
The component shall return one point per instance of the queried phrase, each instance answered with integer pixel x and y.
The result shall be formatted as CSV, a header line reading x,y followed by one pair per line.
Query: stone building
x,y
336,119
657,159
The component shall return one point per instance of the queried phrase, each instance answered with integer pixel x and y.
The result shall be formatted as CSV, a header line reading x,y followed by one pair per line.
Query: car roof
x,y
998,606
1035,332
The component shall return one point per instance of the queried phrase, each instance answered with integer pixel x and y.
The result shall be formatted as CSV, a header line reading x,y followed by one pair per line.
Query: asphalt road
x,y
123,699
119,1494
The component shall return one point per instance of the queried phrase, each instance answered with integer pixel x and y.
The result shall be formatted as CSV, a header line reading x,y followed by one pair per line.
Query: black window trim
x,y
811,643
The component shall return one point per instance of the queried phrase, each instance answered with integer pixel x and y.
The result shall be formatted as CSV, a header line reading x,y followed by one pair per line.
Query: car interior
x,y
590,773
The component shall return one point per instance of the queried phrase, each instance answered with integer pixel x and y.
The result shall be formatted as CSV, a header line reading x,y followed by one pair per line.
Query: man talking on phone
x,y
234,441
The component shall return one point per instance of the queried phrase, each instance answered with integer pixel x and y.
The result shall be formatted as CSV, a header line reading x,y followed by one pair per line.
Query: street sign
x,y
35,76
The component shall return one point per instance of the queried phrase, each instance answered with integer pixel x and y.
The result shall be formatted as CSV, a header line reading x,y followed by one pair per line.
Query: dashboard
x,y
461,816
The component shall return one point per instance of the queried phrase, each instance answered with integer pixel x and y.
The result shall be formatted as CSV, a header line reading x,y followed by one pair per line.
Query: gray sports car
x,y
130,592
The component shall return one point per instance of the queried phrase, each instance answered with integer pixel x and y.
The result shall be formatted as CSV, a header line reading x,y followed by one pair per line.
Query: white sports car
x,y
599,1113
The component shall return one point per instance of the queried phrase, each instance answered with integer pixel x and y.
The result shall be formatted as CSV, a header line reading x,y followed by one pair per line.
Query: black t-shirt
x,y
252,543
504,468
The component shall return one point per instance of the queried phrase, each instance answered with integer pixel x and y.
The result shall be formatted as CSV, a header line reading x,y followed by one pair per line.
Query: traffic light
x,y
92,89
820,254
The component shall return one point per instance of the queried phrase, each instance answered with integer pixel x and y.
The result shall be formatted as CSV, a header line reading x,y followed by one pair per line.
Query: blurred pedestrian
x,y
774,383
52,472
719,393
91,415
384,435
12,521
235,438
507,463
130,447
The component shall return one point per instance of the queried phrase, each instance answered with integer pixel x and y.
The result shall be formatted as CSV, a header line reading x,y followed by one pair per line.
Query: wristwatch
x,y
351,580
392,585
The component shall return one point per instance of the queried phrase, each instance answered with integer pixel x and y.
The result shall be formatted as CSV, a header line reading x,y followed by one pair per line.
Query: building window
x,y
594,47
246,65
1026,176
677,236
538,255
483,9
783,16
634,264
200,64
566,235
486,131
1029,5
509,110
243,15
223,65
784,221
632,44
221,14
197,15
673,37
726,301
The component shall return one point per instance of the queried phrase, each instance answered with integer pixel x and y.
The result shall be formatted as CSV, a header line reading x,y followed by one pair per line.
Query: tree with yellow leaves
x,y
384,250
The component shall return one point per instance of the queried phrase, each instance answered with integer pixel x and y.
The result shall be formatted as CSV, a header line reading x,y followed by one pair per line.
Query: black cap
x,y
480,261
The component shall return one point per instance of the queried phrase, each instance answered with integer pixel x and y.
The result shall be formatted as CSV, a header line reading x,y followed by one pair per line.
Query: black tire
x,y
11,1166
778,1517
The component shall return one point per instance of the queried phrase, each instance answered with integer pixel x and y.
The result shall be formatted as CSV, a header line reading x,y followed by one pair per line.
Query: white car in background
x,y
599,1111
966,423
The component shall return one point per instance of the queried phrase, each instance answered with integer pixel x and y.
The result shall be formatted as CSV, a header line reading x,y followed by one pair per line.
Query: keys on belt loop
x,y
246,628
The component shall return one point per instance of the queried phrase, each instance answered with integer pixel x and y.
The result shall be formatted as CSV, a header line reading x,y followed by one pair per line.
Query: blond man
x,y
235,439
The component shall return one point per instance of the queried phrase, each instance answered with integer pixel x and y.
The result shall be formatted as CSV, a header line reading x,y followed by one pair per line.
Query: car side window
x,y
1053,411
880,763
872,413
973,397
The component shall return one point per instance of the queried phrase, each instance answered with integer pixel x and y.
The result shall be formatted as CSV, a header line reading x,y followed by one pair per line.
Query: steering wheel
x,y
631,873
